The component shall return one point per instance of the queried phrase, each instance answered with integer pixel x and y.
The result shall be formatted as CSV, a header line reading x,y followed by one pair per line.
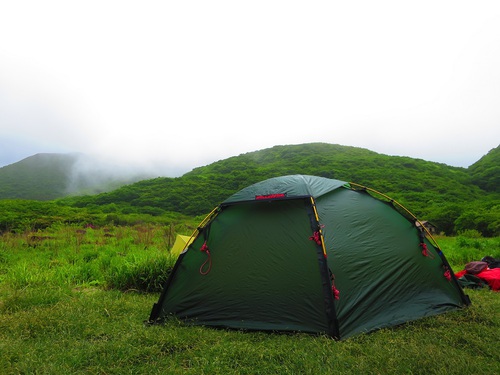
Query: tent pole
x,y
400,206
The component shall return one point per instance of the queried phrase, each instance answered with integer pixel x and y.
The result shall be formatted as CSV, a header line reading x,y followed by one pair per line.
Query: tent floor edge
x,y
156,310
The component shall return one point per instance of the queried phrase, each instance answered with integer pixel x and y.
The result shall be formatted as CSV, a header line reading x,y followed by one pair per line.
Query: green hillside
x,y
38,177
485,173
453,199
450,197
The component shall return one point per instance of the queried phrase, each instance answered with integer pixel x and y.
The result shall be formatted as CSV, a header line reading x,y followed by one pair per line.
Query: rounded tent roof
x,y
287,186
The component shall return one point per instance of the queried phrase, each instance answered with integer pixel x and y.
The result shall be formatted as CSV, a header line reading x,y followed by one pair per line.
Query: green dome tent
x,y
309,254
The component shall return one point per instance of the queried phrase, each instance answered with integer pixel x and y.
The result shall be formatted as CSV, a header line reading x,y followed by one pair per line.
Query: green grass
x,y
463,249
96,331
78,306
114,258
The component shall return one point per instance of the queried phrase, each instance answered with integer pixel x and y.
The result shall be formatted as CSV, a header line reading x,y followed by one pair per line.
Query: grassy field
x,y
74,301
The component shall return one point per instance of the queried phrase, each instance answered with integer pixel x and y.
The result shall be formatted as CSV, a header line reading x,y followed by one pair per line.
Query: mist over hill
x,y
49,176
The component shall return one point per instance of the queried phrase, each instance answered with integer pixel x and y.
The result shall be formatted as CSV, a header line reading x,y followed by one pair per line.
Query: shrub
x,y
146,275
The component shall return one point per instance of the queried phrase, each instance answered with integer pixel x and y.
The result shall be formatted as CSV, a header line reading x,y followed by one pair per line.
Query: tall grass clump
x,y
140,273
111,257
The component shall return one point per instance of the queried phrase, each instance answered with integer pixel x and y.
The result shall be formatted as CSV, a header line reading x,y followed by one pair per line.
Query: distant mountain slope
x,y
50,176
485,173
413,181
40,177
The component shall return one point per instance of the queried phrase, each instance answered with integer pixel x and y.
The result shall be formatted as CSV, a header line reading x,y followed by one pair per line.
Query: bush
x,y
470,233
146,275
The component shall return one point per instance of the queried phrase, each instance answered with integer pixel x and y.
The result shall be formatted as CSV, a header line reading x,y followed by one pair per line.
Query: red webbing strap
x,y
335,291
447,274
425,250
316,237
208,262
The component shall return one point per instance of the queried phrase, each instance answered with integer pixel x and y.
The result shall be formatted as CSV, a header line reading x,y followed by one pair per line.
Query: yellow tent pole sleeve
x,y
202,224
402,207
313,203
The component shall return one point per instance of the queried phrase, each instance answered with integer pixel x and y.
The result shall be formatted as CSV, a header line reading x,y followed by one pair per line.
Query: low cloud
x,y
91,174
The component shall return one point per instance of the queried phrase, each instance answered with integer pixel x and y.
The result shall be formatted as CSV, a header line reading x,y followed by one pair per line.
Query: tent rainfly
x,y
180,244
309,254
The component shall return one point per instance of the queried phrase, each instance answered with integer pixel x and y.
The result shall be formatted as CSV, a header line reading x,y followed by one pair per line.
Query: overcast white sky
x,y
186,83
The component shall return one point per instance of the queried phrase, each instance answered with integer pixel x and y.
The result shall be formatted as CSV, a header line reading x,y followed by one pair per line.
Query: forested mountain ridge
x,y
485,173
434,191
452,198
52,176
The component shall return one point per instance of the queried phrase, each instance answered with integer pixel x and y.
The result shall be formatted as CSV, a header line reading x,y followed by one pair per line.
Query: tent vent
x,y
271,196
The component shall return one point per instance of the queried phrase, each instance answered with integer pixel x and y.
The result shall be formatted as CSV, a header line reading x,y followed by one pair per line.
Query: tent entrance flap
x,y
264,272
